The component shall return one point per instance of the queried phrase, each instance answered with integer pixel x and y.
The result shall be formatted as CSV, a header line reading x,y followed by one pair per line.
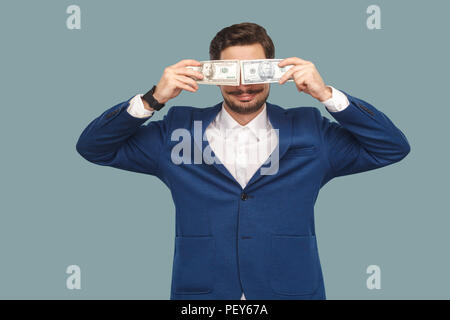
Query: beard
x,y
245,107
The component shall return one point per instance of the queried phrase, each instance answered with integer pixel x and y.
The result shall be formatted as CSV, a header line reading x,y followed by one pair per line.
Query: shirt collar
x,y
258,125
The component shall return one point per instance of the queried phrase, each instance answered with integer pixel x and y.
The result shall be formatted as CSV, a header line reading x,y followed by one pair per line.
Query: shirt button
x,y
244,196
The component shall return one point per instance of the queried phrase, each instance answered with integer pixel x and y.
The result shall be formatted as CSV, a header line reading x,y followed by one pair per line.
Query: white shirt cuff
x,y
137,109
337,102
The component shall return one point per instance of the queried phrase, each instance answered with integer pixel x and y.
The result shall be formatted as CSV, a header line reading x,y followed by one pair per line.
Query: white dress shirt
x,y
234,144
242,149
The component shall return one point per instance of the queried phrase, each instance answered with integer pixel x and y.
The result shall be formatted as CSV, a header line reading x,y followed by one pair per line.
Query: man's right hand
x,y
177,78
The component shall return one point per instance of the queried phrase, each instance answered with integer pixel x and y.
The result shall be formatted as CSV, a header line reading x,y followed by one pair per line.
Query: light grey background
x,y
57,209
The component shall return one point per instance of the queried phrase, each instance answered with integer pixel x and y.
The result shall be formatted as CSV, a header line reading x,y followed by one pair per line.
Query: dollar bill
x,y
232,72
219,72
262,71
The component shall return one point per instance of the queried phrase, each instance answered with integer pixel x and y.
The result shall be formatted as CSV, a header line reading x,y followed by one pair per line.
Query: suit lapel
x,y
283,122
277,116
206,116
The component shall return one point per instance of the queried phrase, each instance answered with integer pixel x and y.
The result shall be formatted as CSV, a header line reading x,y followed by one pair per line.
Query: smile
x,y
245,97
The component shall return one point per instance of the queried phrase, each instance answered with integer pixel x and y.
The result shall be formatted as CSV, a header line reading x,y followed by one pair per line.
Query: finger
x,y
189,72
300,83
187,62
301,88
288,74
292,60
189,81
300,77
184,86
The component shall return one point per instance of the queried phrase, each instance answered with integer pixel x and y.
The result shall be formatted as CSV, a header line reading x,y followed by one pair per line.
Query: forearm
x,y
363,138
105,134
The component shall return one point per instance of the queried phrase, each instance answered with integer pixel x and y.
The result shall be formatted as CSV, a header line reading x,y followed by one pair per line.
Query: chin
x,y
245,101
245,107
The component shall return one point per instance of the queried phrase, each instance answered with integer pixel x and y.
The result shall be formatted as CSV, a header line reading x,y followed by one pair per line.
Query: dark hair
x,y
245,33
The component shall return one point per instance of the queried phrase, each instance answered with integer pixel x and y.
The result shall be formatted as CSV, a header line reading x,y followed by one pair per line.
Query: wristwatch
x,y
154,104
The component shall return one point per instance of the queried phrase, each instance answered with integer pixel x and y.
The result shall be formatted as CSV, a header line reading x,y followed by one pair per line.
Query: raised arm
x,y
118,138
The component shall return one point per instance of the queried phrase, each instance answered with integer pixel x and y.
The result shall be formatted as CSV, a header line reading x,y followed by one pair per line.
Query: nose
x,y
240,83
243,87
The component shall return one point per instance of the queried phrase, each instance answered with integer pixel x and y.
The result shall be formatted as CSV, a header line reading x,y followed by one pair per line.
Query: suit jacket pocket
x,y
193,264
295,266
301,151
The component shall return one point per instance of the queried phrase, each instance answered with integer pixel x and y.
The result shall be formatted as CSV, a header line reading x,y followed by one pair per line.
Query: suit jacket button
x,y
244,196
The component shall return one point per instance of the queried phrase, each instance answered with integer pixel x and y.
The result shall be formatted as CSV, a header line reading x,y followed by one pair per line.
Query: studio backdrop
x,y
70,229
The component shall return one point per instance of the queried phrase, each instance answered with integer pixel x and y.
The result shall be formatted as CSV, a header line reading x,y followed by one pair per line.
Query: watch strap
x,y
153,103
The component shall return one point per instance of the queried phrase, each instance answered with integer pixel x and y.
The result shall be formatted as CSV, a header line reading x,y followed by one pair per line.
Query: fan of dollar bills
x,y
230,72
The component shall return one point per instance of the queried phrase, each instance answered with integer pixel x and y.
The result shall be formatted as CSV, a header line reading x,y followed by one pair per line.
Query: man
x,y
241,233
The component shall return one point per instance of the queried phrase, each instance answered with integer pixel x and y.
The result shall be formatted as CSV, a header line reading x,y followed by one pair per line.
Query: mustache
x,y
239,92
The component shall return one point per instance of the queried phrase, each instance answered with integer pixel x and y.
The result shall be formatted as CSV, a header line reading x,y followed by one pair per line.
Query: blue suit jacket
x,y
259,239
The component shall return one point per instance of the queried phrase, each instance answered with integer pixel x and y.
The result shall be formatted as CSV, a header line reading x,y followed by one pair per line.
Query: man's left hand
x,y
306,78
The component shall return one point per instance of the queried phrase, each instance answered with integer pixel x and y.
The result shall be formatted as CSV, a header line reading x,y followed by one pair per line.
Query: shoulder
x,y
183,116
300,113
186,110
181,110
